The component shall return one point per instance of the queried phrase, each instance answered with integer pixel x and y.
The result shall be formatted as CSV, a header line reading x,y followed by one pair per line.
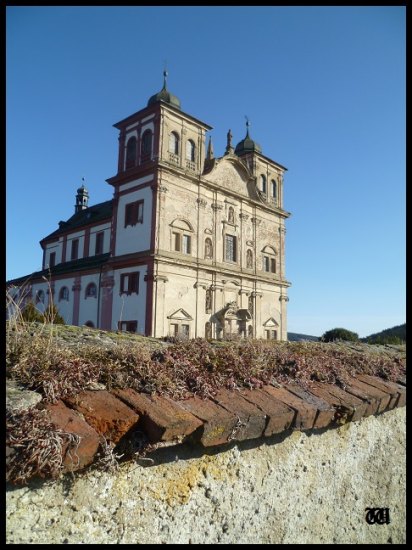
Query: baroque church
x,y
190,244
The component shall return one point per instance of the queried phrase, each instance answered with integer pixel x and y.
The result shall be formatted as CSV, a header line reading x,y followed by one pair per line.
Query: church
x,y
190,244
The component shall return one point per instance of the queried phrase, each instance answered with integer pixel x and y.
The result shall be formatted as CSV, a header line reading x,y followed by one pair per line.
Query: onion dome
x,y
165,96
247,145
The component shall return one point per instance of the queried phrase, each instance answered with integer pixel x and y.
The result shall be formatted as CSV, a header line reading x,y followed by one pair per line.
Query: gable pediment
x,y
270,323
231,174
180,315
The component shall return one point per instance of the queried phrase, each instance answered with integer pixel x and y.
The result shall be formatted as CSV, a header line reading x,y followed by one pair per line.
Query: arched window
x,y
64,294
231,215
40,297
274,191
263,184
208,249
269,259
190,150
174,143
131,152
91,291
146,144
249,259
89,324
181,236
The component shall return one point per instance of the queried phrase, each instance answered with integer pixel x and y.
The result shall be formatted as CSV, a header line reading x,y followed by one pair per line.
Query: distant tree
x,y
30,313
339,334
52,315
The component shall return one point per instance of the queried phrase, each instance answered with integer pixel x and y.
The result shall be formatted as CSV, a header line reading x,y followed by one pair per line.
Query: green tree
x,y
52,315
339,334
30,313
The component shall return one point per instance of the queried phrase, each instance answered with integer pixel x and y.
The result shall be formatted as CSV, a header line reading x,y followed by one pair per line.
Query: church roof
x,y
98,212
165,96
66,267
247,145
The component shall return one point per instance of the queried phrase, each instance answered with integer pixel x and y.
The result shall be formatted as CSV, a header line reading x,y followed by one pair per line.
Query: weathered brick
x,y
218,423
325,413
305,412
347,405
71,422
252,420
161,418
108,415
279,417
396,391
377,400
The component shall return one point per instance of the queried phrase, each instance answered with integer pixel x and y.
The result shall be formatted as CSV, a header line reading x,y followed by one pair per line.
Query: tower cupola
x,y
247,145
82,199
164,95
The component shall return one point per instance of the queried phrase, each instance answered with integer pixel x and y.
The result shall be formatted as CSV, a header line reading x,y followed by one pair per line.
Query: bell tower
x,y
82,199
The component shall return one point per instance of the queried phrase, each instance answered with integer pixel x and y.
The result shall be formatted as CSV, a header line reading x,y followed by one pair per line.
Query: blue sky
x,y
324,88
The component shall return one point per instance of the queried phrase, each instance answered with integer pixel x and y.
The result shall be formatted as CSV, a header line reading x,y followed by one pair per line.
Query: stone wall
x,y
294,487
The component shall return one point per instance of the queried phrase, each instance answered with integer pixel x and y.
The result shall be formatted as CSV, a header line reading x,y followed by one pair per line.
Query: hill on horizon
x,y
394,335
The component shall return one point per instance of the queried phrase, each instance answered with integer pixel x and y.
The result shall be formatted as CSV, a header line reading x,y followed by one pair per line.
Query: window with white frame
x,y
133,213
190,150
274,192
146,144
181,236
174,143
269,259
129,283
64,294
263,186
91,291
230,248
131,152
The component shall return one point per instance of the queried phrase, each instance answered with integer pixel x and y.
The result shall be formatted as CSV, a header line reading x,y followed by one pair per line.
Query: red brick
x,y
71,422
109,416
252,420
161,418
377,400
396,391
325,413
346,405
218,423
279,417
305,412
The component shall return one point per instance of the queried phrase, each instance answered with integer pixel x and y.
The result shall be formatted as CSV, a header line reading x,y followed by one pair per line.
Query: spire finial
x,y
247,125
165,75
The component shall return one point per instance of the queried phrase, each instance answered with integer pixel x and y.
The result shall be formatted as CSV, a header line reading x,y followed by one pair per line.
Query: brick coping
x,y
126,417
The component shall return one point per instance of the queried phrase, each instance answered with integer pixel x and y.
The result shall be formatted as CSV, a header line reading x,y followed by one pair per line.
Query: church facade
x,y
189,245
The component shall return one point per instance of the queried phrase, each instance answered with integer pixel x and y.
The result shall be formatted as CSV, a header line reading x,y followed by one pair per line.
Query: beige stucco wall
x,y
302,488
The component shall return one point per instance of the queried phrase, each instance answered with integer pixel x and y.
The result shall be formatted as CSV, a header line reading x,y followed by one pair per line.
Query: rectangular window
x,y
75,249
174,329
176,241
273,265
52,259
185,330
230,248
186,244
133,213
99,243
128,326
274,335
267,333
266,263
129,283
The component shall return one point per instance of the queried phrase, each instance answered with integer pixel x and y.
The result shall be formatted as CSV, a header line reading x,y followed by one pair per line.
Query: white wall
x,y
106,241
88,306
134,239
133,307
